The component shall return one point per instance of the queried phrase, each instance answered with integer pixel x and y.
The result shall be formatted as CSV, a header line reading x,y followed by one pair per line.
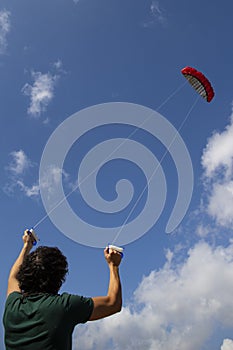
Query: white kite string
x,y
171,95
150,178
103,162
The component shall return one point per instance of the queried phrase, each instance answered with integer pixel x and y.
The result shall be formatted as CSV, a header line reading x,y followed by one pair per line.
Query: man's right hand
x,y
112,256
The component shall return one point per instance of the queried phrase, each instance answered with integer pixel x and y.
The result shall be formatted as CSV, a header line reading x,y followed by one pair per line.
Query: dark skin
x,y
104,306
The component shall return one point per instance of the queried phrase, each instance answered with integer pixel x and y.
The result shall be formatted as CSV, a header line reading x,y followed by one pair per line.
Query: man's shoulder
x,y
12,296
72,298
36,297
64,298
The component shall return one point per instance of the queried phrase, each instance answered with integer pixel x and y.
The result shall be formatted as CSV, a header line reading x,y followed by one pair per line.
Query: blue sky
x,y
60,57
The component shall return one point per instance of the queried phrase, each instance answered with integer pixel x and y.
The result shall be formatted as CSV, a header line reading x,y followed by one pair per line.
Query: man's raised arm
x,y
13,285
111,303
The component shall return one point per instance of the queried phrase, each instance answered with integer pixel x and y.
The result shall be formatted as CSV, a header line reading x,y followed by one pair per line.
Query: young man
x,y
36,317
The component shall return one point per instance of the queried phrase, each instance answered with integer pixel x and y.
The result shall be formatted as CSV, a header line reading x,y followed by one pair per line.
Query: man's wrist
x,y
27,247
113,266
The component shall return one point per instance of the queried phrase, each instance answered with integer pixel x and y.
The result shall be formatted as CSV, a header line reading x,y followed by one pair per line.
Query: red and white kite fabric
x,y
199,82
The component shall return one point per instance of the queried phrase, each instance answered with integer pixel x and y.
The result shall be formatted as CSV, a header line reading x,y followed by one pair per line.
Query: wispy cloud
x,y
52,178
177,303
217,162
19,162
4,29
17,169
18,176
29,191
58,64
41,92
156,12
49,182
156,15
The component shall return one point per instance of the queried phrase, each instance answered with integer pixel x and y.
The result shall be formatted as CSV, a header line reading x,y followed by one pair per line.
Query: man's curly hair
x,y
43,271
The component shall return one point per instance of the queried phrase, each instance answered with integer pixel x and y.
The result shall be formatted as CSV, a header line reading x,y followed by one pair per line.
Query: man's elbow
x,y
115,307
118,307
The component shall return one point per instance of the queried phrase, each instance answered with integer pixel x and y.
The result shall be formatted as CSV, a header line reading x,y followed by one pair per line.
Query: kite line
x,y
204,89
119,146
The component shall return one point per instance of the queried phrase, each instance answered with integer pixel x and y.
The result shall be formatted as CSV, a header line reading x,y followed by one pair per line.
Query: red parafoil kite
x,y
199,82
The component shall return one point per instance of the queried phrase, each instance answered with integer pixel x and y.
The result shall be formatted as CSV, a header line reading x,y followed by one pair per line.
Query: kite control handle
x,y
34,236
118,249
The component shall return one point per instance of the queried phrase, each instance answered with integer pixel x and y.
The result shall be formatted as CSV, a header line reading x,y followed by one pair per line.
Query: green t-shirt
x,y
43,321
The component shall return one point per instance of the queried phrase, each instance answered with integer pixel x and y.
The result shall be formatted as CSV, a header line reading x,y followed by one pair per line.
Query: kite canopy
x,y
199,82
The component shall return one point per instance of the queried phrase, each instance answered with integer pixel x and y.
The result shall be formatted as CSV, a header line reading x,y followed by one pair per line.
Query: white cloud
x,y
178,303
221,203
19,163
49,182
41,92
32,191
4,29
218,154
17,169
227,344
52,178
202,231
217,162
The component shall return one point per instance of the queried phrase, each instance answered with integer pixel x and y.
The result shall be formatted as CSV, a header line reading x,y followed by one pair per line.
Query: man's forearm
x,y
15,268
114,289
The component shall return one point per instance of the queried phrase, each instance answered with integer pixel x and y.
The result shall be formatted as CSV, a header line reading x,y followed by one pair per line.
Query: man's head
x,y
43,271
